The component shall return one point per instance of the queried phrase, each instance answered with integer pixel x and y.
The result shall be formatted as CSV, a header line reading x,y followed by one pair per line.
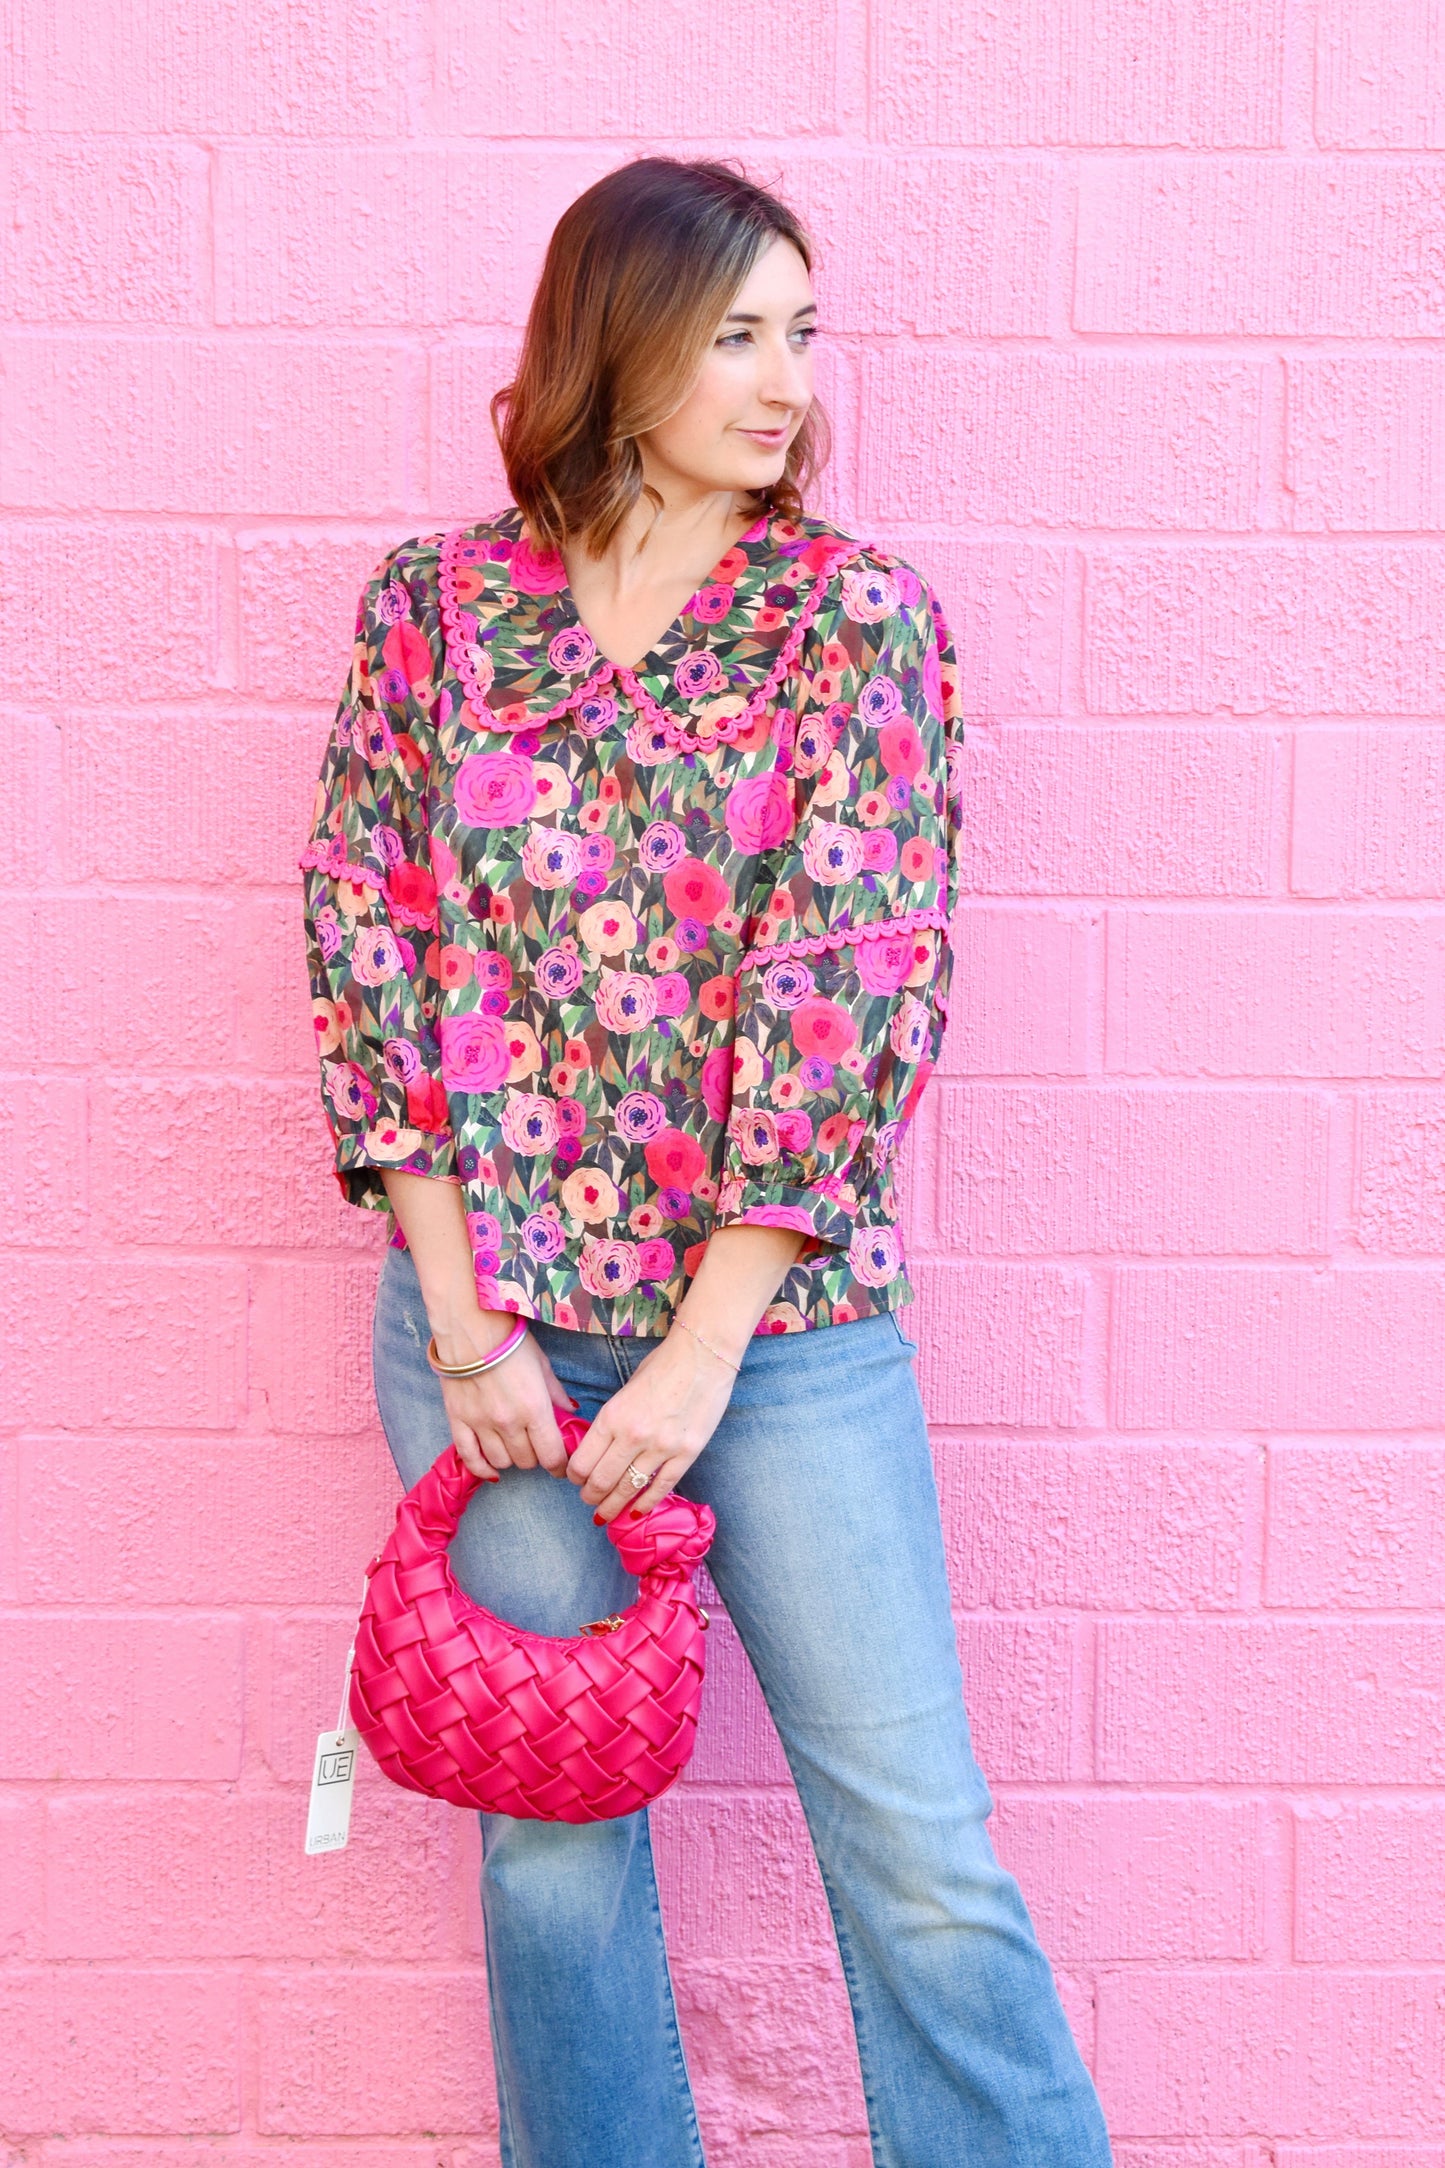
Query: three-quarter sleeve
x,y
842,992
371,902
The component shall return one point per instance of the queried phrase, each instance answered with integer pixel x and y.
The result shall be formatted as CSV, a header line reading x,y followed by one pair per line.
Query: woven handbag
x,y
455,1702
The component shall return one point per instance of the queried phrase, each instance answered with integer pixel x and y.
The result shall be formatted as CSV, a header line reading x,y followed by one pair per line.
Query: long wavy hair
x,y
638,275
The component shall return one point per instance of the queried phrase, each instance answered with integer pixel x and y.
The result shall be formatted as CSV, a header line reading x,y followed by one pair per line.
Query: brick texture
x,y
1131,323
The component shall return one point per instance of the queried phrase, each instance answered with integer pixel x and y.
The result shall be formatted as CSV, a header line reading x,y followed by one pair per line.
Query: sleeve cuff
x,y
362,1155
817,1212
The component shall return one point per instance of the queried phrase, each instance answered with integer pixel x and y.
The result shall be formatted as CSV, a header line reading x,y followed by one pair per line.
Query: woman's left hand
x,y
657,1423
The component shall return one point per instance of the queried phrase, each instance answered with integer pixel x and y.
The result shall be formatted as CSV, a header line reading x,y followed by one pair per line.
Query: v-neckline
x,y
752,533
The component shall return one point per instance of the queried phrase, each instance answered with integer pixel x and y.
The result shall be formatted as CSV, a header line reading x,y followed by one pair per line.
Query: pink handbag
x,y
454,1702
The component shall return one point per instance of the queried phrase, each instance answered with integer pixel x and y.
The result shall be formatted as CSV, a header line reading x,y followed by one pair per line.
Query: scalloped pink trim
x,y
873,929
675,728
319,856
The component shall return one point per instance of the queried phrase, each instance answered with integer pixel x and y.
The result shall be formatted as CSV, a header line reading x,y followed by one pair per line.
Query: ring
x,y
638,1479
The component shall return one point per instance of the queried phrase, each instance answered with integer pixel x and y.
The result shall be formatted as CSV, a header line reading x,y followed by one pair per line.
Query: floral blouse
x,y
636,953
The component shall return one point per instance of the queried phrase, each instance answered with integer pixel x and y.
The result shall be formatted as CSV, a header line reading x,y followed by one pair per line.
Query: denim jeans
x,y
829,1558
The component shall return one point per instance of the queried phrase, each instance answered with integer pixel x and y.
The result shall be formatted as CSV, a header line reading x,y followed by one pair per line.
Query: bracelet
x,y
678,1319
499,1354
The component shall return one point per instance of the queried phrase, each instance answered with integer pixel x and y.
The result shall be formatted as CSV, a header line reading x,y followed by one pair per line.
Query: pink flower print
x,y
916,859
932,680
832,852
675,1160
443,862
787,983
349,1091
812,745
375,958
648,744
493,970
552,857
716,1082
886,1143
392,603
711,604
699,674
879,701
529,1123
875,1255
660,845
898,793
329,936
536,572
492,790
884,963
625,1001
542,1237
778,1215
572,651
639,1115
755,1131
880,850
571,1116
816,1073
900,748
759,812
608,1267
558,972
656,1259
821,1027
596,714
671,993
483,668
696,890
412,893
909,1031
869,597
407,649
795,1130
402,1060
475,1055
598,852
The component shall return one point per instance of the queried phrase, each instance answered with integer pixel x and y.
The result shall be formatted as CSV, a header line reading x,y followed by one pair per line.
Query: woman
x,y
627,906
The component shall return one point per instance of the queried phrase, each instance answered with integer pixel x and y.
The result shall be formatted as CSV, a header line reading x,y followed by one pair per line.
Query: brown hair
x,y
638,274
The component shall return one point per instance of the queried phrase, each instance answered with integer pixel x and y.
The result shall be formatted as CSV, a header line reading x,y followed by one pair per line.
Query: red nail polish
x,y
597,1520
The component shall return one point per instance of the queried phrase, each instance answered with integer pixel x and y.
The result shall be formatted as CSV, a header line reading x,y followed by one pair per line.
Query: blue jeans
x,y
830,1560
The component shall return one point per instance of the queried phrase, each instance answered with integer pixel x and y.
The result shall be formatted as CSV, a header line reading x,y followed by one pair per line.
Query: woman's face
x,y
733,429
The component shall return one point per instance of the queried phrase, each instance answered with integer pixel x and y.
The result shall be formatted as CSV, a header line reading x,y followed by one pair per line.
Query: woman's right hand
x,y
507,1417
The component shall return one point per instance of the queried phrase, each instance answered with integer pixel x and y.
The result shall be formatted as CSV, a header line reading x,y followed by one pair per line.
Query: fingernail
x,y
597,1520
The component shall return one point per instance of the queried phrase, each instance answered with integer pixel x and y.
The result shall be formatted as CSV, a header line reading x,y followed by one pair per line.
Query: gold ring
x,y
638,1480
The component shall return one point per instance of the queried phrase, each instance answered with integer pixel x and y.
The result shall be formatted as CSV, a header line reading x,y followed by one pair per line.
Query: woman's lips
x,y
770,437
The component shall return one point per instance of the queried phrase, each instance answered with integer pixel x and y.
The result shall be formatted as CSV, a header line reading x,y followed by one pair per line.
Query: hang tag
x,y
333,1780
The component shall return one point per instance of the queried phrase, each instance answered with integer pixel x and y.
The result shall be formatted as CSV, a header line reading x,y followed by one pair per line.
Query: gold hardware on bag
x,y
608,1625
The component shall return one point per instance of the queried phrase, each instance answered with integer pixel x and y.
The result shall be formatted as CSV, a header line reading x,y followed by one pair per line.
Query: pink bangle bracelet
x,y
499,1354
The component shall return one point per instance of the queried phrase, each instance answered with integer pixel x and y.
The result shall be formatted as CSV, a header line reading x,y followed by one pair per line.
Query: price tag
x,y
333,1780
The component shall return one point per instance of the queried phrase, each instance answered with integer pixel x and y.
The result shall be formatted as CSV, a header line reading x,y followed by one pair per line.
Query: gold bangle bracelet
x,y
678,1319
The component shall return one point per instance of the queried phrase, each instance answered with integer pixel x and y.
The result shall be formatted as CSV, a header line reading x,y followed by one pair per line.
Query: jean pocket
x,y
911,1345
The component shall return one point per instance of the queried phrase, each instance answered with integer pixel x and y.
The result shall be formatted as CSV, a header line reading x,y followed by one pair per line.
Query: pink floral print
x,y
633,954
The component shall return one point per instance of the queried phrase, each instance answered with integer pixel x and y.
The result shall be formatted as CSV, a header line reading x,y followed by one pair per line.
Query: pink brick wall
x,y
1130,305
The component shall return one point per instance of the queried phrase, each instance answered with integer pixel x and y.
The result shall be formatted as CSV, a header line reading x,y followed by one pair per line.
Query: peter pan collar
x,y
522,655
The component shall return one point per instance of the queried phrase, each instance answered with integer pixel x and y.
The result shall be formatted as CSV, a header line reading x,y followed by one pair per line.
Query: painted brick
x,y
1111,1879
1368,1882
736,1873
1100,1526
326,2066
1167,2155
206,799
103,232
371,235
1299,2055
297,600
1060,440
1025,1683
1004,605
1133,811
1413,2155
160,1020
89,1509
1379,86
1356,1526
1001,1343
760,2039
1047,74
619,71
1037,1170
123,1342
1284,628
1369,813
467,480
1356,1348
202,67
736,1739
1024,1004
119,2051
1364,442
33,745
209,425
1238,1701
106,1695
311,1368
22,1887
1193,993
238,1883
165,578
1262,246
43,1157
304,1666
1400,1173
244,2153
157,1142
